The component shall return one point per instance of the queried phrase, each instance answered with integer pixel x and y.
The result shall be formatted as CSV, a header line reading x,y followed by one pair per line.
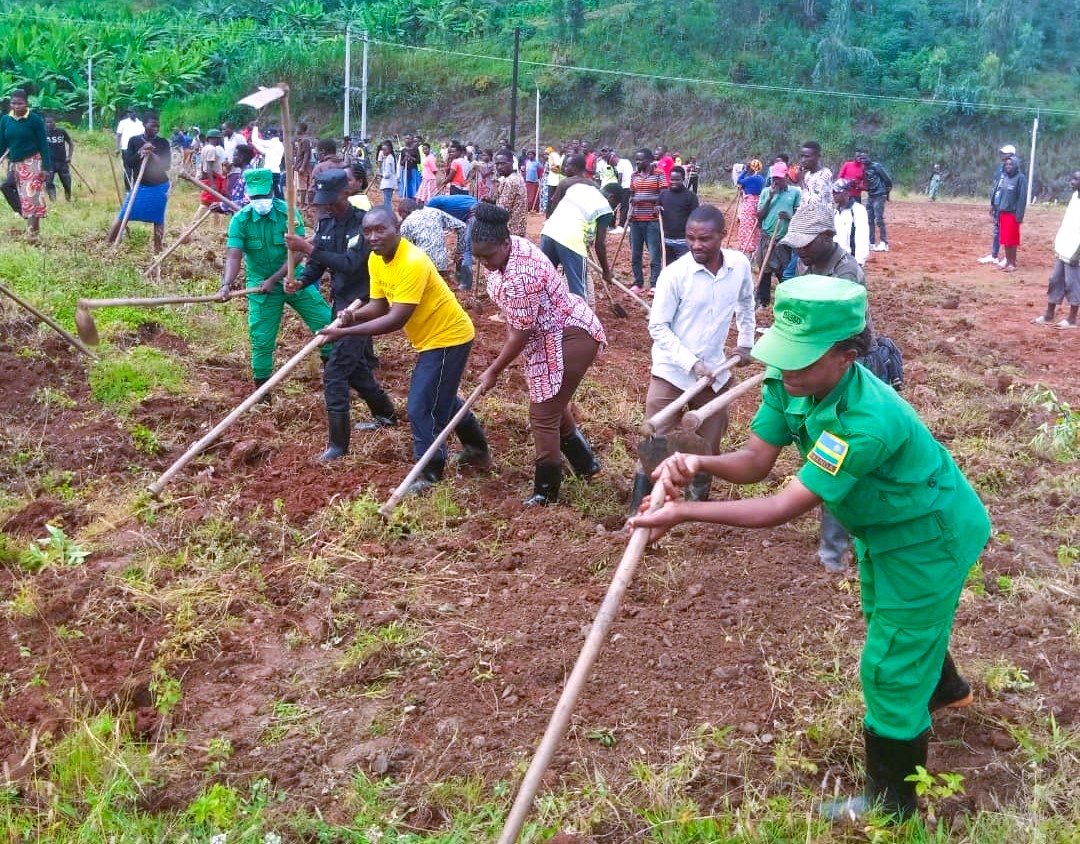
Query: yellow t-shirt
x,y
411,278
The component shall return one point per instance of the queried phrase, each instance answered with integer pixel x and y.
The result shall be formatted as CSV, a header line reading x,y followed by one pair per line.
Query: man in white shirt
x,y
852,226
273,152
696,298
129,127
229,140
624,169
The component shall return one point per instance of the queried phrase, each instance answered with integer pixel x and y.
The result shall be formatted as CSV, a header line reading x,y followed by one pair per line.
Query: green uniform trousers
x,y
264,320
909,598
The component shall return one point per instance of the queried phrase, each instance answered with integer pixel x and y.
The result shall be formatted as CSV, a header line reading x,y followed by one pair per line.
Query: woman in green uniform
x,y
917,523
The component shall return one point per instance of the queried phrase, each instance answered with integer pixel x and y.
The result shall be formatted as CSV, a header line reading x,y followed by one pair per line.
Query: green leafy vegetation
x,y
124,380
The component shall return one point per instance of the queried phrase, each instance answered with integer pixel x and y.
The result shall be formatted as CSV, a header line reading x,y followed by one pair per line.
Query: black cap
x,y
329,186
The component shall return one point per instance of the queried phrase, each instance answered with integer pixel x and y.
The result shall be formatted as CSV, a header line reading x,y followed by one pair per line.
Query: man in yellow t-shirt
x,y
407,292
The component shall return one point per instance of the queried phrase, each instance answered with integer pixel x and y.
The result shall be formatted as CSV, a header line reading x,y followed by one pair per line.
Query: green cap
x,y
812,313
259,182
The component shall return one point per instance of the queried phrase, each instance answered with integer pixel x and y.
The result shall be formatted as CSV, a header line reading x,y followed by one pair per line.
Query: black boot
x,y
475,454
383,414
430,476
952,691
888,763
699,488
547,478
268,396
642,487
579,454
338,436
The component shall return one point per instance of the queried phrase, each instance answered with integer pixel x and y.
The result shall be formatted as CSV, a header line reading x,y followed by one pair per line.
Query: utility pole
x,y
348,72
1031,161
363,91
514,88
90,90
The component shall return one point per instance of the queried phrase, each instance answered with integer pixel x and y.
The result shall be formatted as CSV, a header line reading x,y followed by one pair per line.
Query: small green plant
x,y
976,580
218,751
1068,555
122,381
1004,584
53,550
1006,677
605,737
1060,435
145,440
215,808
166,691
933,788
59,484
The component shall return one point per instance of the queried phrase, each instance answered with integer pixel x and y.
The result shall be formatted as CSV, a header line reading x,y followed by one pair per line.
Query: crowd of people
x,y
831,379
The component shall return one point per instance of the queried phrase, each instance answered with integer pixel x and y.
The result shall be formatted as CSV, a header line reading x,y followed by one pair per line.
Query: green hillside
x,y
723,79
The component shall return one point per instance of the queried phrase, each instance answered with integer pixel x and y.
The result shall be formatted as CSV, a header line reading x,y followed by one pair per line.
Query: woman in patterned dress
x,y
23,141
555,332
752,184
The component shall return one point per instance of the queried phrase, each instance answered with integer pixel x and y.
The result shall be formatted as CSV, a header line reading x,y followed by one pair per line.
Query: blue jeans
x,y
997,238
645,233
388,199
875,213
834,542
433,399
572,263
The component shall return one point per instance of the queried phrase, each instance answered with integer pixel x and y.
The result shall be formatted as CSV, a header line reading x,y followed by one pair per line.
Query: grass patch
x,y
122,381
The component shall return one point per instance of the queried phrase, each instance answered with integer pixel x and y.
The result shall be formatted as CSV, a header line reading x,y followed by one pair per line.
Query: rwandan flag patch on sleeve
x,y
828,453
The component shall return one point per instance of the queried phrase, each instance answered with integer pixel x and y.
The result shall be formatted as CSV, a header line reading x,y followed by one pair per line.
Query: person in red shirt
x,y
664,162
455,172
590,161
854,172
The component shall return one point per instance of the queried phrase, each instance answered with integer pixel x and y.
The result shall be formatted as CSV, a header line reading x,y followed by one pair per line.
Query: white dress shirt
x,y
691,316
626,172
272,150
853,217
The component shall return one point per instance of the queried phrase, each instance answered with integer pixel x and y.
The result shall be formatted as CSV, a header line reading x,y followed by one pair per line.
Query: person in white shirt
x,y
229,140
129,127
273,152
696,298
1064,284
624,169
852,225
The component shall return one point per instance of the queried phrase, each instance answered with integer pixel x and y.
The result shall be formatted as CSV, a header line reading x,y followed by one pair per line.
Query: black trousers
x,y
624,207
61,169
10,190
351,364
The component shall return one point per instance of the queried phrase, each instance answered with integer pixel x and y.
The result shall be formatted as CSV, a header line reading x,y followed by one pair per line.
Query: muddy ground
x,y
268,573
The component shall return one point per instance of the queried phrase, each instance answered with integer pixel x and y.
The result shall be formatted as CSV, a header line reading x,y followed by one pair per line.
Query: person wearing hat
x,y
339,247
257,236
1005,153
918,524
852,227
212,166
407,293
774,213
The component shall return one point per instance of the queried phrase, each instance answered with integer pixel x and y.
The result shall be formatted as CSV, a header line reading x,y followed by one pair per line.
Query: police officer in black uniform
x,y
62,148
339,246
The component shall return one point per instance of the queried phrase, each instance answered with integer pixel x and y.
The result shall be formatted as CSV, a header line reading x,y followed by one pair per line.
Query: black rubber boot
x,y
642,487
338,437
431,475
475,454
700,486
383,414
579,454
266,398
465,277
547,478
888,762
952,691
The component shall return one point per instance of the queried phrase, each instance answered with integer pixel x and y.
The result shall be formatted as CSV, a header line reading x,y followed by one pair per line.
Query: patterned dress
x,y
534,298
510,194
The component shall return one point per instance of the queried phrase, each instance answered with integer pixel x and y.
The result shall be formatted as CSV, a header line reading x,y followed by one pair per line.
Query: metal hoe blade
x,y
652,451
263,97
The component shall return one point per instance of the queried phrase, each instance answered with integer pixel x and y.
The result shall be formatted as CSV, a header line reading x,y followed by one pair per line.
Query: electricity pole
x,y
514,88
363,92
90,90
348,72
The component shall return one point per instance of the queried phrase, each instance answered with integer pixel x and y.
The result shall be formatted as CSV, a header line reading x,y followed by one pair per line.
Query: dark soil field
x,y
264,603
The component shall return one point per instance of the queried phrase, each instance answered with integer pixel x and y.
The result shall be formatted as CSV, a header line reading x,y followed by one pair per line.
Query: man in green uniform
x,y
917,523
257,234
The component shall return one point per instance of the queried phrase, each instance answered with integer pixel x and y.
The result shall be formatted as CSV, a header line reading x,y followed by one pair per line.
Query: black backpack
x,y
886,362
